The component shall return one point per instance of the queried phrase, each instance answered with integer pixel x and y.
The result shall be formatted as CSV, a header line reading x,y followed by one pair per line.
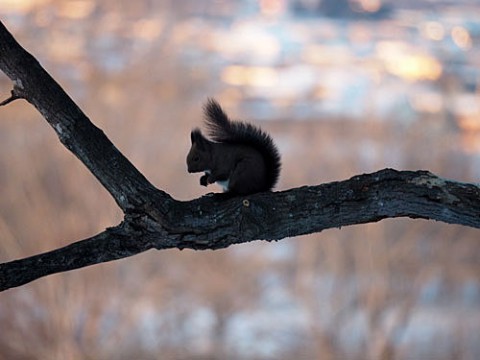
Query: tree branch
x,y
12,97
124,182
212,222
155,220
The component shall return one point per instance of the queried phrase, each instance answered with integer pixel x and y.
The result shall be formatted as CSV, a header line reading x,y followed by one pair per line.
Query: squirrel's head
x,y
199,156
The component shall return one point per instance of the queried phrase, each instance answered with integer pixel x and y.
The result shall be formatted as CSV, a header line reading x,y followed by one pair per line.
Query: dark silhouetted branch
x,y
153,219
12,97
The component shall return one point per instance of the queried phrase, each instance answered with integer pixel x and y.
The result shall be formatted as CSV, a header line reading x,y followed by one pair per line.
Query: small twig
x,y
12,97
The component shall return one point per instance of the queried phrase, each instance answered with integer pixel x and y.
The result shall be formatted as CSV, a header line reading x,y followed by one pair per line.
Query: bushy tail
x,y
221,129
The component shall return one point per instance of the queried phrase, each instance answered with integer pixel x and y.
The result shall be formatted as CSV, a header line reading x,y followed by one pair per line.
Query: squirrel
x,y
239,156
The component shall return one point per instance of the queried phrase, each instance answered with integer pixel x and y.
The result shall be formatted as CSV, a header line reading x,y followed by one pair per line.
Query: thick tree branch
x,y
109,245
31,82
154,220
212,222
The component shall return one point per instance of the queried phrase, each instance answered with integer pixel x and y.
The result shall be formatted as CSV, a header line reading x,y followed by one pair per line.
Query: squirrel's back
x,y
222,130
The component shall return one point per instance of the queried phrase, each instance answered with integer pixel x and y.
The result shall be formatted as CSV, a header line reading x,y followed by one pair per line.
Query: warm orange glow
x,y
20,6
471,142
247,39
77,9
434,30
371,5
60,52
147,29
416,67
468,120
326,55
257,76
461,37
272,7
404,62
469,123
366,5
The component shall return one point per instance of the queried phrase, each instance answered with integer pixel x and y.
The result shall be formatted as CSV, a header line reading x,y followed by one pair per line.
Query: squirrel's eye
x,y
196,158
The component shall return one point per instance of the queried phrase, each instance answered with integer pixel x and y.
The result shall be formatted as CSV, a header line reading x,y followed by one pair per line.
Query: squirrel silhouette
x,y
239,156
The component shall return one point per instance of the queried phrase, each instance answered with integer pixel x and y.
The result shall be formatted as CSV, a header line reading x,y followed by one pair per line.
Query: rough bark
x,y
153,219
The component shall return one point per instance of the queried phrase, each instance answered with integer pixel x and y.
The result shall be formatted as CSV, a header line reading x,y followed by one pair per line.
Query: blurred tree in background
x,y
338,100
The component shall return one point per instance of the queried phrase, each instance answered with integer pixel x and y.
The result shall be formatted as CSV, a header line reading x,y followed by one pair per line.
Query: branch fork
x,y
14,95
153,219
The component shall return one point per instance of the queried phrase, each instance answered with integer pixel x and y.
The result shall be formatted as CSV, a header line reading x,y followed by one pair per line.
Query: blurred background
x,y
344,87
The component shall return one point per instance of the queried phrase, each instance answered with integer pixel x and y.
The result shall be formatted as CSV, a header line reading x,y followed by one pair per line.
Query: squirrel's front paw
x,y
204,180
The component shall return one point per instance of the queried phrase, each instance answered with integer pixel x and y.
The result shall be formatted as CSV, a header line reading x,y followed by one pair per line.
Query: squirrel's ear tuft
x,y
196,136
